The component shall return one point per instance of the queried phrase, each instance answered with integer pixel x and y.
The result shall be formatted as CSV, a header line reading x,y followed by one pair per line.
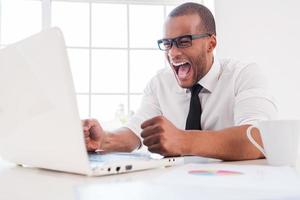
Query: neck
x,y
210,62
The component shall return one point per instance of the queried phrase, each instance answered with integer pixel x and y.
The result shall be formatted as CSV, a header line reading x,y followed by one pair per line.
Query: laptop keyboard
x,y
112,157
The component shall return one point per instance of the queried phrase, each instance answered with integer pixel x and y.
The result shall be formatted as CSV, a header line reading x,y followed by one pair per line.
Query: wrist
x,y
186,144
102,140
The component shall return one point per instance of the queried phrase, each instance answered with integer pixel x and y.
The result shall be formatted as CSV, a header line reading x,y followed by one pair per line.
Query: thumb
x,y
96,132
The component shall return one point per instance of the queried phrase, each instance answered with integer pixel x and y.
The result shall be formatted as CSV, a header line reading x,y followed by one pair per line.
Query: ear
x,y
212,44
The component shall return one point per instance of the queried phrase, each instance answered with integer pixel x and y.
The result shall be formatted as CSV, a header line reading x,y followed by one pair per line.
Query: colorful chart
x,y
214,172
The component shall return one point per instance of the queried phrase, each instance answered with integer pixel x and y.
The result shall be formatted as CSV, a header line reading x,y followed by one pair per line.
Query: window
x,y
111,46
19,19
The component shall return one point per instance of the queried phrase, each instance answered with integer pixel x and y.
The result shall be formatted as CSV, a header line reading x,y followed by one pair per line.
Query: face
x,y
192,63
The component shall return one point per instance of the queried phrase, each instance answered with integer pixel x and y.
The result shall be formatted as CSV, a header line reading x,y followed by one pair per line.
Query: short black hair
x,y
208,22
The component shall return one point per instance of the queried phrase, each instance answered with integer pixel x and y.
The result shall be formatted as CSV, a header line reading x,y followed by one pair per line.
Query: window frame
x,y
46,23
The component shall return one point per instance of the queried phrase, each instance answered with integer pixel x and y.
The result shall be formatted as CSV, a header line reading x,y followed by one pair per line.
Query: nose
x,y
174,52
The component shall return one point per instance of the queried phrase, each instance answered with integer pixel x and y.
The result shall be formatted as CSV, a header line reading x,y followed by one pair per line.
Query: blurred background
x,y
266,32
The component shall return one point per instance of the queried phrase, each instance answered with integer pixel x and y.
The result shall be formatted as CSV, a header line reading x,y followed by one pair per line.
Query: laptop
x,y
39,119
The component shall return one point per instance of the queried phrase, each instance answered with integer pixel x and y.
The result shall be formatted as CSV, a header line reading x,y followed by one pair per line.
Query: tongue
x,y
183,70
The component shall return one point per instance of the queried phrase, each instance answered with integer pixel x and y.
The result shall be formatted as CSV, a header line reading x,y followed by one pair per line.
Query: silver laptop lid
x,y
39,120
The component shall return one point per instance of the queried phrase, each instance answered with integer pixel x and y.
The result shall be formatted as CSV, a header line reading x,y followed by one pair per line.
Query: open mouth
x,y
182,69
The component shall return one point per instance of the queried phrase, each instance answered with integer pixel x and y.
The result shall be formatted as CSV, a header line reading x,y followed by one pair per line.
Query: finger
x,y
86,124
96,133
86,133
151,122
86,128
92,128
151,140
89,122
96,130
87,141
91,145
156,148
150,130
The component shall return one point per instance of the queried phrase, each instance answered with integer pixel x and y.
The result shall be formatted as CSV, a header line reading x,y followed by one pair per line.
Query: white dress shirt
x,y
234,93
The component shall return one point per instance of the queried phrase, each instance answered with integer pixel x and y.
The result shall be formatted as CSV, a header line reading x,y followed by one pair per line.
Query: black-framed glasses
x,y
180,42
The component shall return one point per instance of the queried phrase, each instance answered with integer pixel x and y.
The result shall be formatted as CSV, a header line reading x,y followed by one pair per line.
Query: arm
x,y
161,136
252,103
226,144
122,140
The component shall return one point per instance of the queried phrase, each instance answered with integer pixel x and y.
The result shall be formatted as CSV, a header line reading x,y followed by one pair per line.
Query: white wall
x,y
268,33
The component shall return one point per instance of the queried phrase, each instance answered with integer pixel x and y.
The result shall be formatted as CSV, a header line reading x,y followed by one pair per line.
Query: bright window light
x,y
111,46
73,19
109,25
19,19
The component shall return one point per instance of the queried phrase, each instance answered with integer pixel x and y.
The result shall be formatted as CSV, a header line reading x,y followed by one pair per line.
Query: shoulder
x,y
164,81
163,76
243,75
242,72
165,73
233,66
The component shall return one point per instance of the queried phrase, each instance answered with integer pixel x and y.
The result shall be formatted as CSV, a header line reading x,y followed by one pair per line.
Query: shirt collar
x,y
209,81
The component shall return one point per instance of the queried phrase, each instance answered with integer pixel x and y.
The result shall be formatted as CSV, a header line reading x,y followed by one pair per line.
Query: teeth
x,y
179,63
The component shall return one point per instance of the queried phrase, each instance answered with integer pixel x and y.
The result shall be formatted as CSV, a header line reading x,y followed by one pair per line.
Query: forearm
x,y
122,140
226,144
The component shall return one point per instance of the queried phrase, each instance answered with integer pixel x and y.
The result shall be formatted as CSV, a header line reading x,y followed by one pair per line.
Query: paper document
x,y
253,181
203,181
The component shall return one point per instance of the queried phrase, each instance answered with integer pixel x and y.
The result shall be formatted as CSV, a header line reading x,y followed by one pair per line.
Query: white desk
x,y
30,183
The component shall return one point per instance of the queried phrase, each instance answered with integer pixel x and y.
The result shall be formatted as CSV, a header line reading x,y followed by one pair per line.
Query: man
x,y
233,96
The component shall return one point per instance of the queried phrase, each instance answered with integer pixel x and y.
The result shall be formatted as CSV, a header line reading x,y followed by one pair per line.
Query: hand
x,y
161,136
93,134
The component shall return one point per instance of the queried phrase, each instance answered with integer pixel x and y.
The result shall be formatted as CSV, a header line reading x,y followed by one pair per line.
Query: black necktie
x,y
194,117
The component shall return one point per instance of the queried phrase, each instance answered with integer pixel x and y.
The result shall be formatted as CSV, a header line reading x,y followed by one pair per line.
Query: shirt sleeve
x,y
253,101
149,108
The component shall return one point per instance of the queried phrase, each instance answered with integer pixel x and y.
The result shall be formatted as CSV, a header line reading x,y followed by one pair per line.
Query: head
x,y
189,62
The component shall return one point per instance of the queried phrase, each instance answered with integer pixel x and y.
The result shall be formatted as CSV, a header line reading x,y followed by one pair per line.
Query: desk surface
x,y
31,183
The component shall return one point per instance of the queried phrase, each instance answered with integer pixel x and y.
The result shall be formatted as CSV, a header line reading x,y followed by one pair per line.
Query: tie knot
x,y
196,89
